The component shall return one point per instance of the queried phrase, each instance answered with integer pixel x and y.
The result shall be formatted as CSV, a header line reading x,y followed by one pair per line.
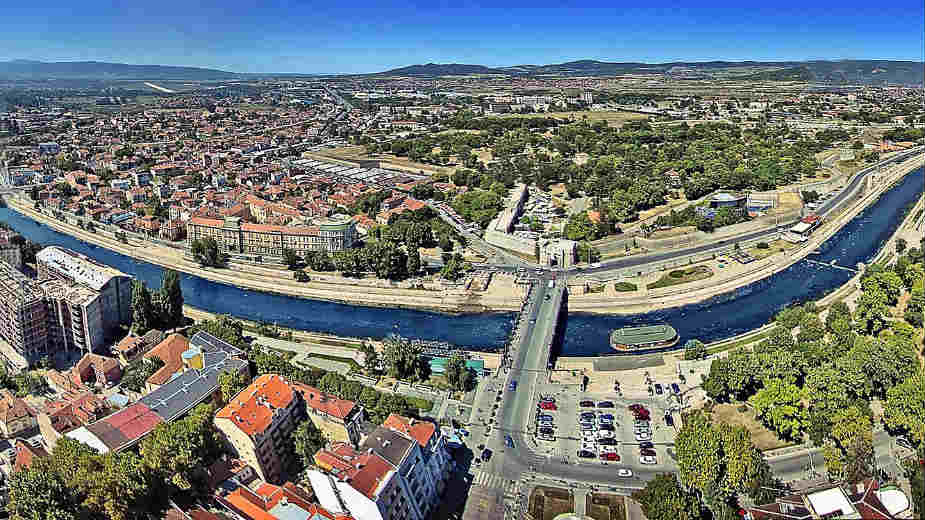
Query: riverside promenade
x,y
733,275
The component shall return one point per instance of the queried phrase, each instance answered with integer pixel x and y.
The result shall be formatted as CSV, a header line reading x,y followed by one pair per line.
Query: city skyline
x,y
276,38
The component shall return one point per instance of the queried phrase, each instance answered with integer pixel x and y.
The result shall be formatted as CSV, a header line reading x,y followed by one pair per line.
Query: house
x,y
258,420
271,502
338,419
71,411
15,414
26,453
132,346
94,368
862,500
170,351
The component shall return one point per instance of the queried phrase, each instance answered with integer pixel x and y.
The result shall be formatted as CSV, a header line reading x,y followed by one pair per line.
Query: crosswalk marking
x,y
492,480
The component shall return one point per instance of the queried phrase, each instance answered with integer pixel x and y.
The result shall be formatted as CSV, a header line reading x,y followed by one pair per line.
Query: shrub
x,y
676,274
763,245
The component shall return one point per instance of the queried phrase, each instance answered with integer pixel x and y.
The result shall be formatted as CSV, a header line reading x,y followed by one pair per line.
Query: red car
x,y
636,407
610,456
547,405
642,415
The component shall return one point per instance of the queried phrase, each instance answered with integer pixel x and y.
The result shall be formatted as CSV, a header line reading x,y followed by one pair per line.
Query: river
x,y
585,334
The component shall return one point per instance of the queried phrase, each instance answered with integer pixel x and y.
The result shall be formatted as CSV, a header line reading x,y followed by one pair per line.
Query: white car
x,y
605,434
608,449
588,446
643,437
648,460
624,473
588,436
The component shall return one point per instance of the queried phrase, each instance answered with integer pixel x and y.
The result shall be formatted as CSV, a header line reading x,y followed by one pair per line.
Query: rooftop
x,y
81,269
254,408
326,403
644,334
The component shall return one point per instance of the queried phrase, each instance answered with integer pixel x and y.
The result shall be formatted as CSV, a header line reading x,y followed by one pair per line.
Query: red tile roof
x,y
253,409
327,403
365,472
25,454
421,431
170,351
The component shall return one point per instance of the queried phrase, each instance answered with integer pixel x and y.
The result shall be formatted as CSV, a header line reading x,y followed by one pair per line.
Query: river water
x,y
584,334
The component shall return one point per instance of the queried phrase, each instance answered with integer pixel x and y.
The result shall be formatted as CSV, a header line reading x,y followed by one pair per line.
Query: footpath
x,y
732,276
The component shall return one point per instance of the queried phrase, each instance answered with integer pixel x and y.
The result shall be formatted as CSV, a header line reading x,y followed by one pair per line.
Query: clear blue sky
x,y
352,36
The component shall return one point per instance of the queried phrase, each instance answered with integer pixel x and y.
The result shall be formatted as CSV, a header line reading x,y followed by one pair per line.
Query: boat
x,y
643,338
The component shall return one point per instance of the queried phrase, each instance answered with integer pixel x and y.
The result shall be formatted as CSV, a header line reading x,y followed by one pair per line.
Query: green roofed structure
x,y
642,338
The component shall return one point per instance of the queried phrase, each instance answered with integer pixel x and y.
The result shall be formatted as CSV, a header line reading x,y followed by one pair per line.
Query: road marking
x,y
495,481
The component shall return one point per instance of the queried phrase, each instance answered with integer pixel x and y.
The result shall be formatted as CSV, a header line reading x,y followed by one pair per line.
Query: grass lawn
x,y
742,342
679,276
354,366
624,287
547,503
763,438
774,247
603,506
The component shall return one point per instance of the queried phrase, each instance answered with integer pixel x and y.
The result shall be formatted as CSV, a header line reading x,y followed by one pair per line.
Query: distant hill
x,y
28,69
822,71
442,69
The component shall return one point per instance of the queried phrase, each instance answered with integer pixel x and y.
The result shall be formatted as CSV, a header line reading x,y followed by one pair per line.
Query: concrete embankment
x,y
278,281
734,277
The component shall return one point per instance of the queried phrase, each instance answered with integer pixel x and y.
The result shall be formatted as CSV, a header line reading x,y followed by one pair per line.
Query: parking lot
x,y
583,428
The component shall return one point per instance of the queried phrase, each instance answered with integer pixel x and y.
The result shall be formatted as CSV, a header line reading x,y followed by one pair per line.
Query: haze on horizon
x,y
365,36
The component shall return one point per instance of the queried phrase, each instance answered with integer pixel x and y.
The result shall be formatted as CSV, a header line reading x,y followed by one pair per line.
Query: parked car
x,y
607,442
643,436
646,444
587,427
548,399
675,388
605,417
486,454
643,415
508,441
547,406
585,454
611,456
587,415
636,407
648,460
606,427
604,434
545,417
605,404
624,473
512,386
669,420
546,431
586,404
590,446
647,452
658,389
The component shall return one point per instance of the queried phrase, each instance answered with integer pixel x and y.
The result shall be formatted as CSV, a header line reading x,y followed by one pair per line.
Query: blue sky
x,y
352,36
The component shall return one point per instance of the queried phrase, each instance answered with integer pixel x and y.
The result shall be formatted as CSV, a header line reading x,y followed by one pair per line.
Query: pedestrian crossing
x,y
494,481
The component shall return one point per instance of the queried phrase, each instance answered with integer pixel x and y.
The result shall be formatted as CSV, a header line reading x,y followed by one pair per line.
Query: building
x,y
75,317
170,350
10,253
342,499
338,419
256,422
727,200
131,346
246,238
26,453
15,414
49,148
97,298
264,501
864,500
23,320
71,411
194,383
96,369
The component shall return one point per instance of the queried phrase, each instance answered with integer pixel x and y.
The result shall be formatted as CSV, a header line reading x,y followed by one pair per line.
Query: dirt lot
x,y
359,153
763,438
547,503
602,506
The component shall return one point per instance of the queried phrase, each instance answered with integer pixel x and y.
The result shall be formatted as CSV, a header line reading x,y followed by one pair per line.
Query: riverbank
x,y
498,297
731,276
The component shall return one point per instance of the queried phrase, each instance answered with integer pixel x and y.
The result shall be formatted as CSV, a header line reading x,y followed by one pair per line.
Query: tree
x,y
901,245
454,267
291,259
222,327
370,358
404,359
458,374
904,408
207,253
694,349
414,262
779,406
850,456
40,493
307,439
171,300
663,498
143,317
231,383
137,373
179,452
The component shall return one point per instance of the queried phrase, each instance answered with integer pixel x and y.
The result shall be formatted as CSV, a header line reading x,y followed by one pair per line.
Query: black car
x,y
646,445
675,388
605,404
669,420
647,452
586,404
608,427
607,441
486,454
546,431
585,454
658,389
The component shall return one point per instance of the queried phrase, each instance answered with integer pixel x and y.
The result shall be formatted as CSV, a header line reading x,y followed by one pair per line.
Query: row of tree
x,y
164,310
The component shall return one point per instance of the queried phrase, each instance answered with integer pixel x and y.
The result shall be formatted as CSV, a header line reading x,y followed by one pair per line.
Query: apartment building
x,y
23,328
257,421
10,253
237,237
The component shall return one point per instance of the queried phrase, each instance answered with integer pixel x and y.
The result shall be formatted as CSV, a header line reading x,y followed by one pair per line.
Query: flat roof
x,y
832,500
643,334
80,268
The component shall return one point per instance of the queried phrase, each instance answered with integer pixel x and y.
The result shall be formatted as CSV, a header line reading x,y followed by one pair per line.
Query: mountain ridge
x,y
31,69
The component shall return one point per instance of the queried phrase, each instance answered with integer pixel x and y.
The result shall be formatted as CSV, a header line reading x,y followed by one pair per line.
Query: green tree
x,y
370,358
222,327
138,371
291,259
171,300
414,262
307,439
904,408
458,374
663,498
179,452
850,456
779,406
143,316
231,383
404,359
694,349
455,267
41,493
207,253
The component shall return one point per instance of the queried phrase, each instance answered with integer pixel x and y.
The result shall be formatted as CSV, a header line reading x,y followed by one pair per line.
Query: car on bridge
x,y
486,454
512,386
508,441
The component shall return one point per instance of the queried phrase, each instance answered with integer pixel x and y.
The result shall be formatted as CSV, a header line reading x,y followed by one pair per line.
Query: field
x,y
774,247
547,503
359,153
624,287
603,506
763,438
612,118
680,276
